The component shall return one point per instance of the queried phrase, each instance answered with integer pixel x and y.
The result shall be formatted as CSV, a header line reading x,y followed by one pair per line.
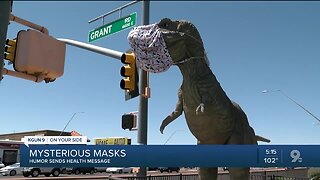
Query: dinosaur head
x,y
182,39
158,46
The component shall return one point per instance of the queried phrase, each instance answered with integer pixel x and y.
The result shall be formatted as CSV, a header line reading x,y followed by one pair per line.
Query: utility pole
x,y
143,106
5,9
142,132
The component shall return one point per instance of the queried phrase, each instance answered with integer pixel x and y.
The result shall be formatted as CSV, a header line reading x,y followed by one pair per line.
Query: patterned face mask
x,y
150,48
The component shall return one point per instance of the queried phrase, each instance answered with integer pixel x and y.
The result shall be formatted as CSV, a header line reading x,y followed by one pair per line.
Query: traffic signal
x,y
37,54
5,11
129,121
128,71
10,50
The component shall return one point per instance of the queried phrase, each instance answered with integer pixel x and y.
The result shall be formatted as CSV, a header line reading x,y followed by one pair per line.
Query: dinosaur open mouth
x,y
150,48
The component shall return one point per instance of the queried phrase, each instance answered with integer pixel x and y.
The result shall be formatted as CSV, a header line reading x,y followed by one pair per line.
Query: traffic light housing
x,y
129,121
38,53
130,73
35,56
10,50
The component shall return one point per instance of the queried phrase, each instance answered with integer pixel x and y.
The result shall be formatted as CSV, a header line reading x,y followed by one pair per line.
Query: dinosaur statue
x,y
210,115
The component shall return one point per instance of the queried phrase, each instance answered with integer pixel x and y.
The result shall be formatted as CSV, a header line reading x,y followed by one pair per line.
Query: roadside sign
x,y
112,141
113,27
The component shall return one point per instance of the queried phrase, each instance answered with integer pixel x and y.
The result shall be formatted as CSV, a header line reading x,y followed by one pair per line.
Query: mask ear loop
x,y
191,58
182,33
186,60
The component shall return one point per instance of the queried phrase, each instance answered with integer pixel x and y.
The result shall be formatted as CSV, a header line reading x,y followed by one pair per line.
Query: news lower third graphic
x,y
54,140
69,155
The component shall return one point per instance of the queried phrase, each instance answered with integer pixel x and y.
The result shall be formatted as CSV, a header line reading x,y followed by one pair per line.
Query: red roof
x,y
75,133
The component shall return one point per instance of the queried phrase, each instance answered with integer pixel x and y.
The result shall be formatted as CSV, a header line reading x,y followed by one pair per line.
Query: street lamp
x,y
267,91
171,136
74,114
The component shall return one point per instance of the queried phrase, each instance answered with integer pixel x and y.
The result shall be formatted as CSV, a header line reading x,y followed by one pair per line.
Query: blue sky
x,y
252,46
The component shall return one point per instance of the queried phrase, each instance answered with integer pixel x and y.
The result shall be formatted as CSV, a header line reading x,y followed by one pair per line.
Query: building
x,y
9,151
10,143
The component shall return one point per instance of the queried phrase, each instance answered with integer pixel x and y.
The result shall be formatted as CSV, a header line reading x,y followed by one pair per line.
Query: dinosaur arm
x,y
175,114
204,100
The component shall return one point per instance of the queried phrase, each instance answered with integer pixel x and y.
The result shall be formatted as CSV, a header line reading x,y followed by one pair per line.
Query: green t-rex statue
x,y
211,116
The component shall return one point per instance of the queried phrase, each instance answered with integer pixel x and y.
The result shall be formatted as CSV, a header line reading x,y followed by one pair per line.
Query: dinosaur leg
x,y
208,173
239,173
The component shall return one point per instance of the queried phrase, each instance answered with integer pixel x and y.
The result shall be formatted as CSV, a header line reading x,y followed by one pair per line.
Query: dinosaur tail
x,y
260,138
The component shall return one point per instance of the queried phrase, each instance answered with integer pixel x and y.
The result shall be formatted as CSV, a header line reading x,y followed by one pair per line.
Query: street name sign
x,y
113,27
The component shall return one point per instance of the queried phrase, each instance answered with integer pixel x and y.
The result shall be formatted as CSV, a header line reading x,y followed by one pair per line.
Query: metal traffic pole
x,y
5,9
93,48
143,106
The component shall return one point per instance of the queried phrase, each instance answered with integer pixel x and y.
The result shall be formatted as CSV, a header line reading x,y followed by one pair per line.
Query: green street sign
x,y
113,27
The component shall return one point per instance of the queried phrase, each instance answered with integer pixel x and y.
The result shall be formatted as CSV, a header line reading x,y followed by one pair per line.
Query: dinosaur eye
x,y
164,23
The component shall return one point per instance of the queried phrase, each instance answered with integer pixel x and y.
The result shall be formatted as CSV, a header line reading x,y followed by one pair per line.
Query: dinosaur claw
x,y
200,108
161,129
